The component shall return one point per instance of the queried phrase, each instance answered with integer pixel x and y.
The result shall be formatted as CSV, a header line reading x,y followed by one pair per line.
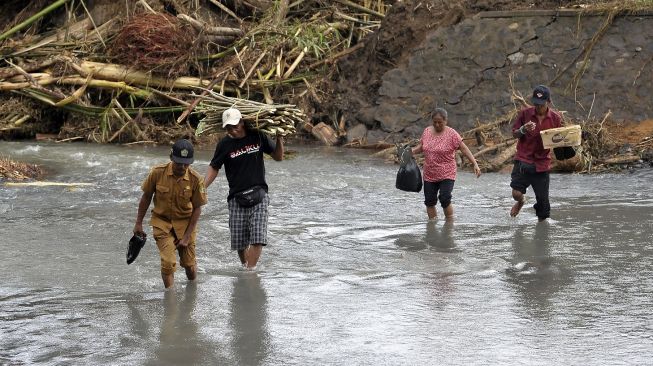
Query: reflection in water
x,y
441,240
534,272
180,343
249,319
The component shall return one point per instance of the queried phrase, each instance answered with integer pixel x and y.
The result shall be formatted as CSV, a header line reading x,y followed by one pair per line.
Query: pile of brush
x,y
122,71
155,42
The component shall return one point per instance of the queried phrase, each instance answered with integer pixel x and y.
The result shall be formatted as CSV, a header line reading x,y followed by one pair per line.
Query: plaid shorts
x,y
248,225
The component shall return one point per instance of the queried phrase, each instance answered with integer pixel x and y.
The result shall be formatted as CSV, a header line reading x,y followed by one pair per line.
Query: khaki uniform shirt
x,y
174,197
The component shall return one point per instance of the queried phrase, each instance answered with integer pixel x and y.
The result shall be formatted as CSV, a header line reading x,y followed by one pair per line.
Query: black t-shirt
x,y
243,160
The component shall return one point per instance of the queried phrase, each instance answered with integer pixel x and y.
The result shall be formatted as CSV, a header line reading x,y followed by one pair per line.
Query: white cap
x,y
231,116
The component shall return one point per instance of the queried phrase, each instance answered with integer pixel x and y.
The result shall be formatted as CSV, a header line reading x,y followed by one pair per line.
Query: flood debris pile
x,y
154,71
17,171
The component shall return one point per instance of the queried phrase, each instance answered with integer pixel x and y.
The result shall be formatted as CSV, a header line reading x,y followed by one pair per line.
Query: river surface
x,y
354,273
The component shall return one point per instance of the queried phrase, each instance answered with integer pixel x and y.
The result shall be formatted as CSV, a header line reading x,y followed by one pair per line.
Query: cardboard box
x,y
563,136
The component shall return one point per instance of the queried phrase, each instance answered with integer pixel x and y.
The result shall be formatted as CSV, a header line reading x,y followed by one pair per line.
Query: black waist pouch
x,y
250,197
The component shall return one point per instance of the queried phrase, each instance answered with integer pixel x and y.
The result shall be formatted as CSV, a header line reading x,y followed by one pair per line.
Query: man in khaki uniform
x,y
179,195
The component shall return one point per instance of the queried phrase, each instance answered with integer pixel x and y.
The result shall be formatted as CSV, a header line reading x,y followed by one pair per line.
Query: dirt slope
x,y
404,28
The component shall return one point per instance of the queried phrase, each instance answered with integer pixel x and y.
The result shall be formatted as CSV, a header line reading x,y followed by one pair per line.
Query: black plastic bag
x,y
409,177
564,153
136,243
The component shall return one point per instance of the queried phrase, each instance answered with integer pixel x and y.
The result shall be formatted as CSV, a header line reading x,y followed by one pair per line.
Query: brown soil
x,y
631,133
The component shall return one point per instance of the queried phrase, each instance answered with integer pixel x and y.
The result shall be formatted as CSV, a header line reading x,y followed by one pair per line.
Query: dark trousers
x,y
524,175
434,191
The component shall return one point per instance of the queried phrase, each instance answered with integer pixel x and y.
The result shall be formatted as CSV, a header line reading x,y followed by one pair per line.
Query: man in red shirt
x,y
532,160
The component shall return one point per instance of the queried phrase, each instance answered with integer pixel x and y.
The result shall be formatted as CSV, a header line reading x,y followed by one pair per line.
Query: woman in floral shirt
x,y
439,144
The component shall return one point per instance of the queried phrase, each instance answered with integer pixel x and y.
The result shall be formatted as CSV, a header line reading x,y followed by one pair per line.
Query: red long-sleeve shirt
x,y
529,147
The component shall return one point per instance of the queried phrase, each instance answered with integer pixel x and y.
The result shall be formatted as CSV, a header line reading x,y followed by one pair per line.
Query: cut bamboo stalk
x,y
192,105
240,61
32,19
170,97
495,147
93,110
203,27
75,95
46,184
279,59
70,139
295,63
94,25
145,5
7,72
266,91
122,110
120,73
226,10
251,69
353,5
337,56
21,120
34,83
508,118
47,79
117,133
75,31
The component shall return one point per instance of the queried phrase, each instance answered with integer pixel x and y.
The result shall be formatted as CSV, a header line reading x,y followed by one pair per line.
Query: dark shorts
x,y
443,187
521,178
248,225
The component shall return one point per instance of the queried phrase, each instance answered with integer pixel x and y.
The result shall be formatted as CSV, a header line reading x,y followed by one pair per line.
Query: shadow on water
x,y
249,320
535,274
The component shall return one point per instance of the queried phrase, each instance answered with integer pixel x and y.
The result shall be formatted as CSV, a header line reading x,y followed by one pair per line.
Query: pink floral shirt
x,y
440,154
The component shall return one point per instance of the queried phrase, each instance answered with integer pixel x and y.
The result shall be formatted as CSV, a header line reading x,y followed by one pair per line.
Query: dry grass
x,y
155,42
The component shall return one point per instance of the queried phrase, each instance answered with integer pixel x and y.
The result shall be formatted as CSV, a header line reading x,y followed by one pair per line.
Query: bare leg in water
x,y
448,212
250,256
430,211
520,199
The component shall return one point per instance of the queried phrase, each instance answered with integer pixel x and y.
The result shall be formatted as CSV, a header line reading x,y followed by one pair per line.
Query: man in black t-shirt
x,y
241,153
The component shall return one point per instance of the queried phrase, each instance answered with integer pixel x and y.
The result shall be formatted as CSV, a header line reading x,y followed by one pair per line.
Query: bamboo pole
x,y
46,184
495,147
251,69
192,105
337,56
294,64
32,19
76,94
47,79
7,72
201,26
93,110
120,73
226,10
352,4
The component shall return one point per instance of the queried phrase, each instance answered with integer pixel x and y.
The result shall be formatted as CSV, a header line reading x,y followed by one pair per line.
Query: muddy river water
x,y
354,274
